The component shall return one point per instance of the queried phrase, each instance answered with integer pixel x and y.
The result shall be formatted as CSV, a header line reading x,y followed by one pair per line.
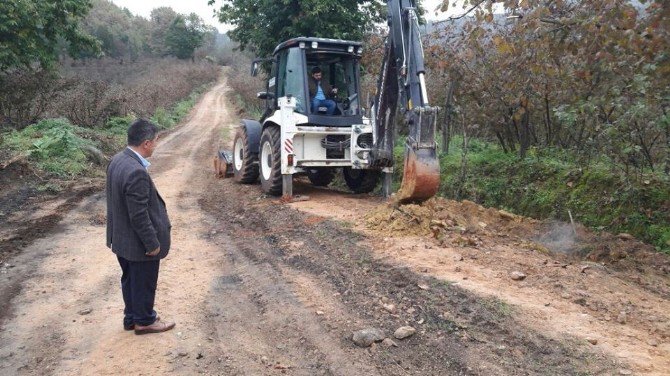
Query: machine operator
x,y
321,93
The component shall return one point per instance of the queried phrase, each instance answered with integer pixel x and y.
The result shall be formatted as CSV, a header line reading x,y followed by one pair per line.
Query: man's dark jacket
x,y
325,86
137,220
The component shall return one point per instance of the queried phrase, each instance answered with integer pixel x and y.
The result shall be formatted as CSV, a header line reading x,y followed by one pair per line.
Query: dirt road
x,y
262,288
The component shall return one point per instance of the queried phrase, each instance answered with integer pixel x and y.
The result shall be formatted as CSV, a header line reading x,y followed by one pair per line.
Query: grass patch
x,y
250,109
54,145
548,183
497,307
166,119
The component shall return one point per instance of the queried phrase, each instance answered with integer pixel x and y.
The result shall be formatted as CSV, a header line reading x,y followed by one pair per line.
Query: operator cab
x,y
292,65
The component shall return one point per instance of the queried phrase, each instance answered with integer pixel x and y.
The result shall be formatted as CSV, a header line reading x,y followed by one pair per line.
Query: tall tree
x,y
31,29
262,24
592,76
161,19
111,25
185,35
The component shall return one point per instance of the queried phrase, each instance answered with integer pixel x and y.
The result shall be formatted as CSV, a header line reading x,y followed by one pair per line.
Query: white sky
x,y
143,8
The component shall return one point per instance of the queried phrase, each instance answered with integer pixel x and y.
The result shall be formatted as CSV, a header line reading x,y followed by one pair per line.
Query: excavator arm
x,y
402,83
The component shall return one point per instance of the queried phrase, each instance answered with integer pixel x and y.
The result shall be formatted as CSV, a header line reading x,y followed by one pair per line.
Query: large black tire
x,y
321,177
245,160
270,161
361,181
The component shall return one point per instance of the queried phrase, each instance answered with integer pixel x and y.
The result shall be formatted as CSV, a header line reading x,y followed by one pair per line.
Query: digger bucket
x,y
421,176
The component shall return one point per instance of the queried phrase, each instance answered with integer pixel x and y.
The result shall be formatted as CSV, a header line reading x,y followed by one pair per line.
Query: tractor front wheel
x,y
245,161
270,161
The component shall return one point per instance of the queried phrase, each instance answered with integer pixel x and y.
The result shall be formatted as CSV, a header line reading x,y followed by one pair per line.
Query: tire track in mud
x,y
24,232
475,337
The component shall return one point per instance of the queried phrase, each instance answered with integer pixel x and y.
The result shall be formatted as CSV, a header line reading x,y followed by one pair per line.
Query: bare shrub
x,y
25,96
89,103
104,88
244,85
89,93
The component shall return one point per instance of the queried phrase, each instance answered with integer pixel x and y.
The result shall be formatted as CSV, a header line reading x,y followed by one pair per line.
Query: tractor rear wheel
x,y
270,161
361,181
245,161
321,177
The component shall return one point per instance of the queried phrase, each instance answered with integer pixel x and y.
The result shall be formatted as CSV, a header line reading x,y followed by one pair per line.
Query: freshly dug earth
x,y
258,287
608,291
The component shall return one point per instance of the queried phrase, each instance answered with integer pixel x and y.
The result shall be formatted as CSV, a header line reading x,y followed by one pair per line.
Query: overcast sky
x,y
200,7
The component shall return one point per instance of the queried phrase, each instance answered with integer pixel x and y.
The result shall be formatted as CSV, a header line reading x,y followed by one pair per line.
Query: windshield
x,y
340,72
291,77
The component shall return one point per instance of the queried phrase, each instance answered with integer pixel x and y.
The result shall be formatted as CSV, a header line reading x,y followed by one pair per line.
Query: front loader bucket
x,y
421,176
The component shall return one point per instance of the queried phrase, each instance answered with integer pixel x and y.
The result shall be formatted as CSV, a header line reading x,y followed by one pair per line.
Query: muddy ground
x,y
259,287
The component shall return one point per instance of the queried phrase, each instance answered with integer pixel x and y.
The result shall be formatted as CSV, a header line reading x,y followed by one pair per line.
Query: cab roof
x,y
325,44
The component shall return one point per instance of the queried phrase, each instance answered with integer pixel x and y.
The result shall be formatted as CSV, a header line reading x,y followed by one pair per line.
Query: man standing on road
x,y
138,228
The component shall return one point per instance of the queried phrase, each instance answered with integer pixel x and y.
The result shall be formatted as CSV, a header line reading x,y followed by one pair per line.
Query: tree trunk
x,y
526,131
667,142
646,149
502,141
464,163
524,142
510,134
547,119
448,109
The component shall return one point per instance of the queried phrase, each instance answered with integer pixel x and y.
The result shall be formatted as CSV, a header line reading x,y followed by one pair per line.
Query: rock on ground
x,y
404,332
368,336
517,276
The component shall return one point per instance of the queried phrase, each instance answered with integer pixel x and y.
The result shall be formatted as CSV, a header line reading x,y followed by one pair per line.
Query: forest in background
x,y
76,73
126,65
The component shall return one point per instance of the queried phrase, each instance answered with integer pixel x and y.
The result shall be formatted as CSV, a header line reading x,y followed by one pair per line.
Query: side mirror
x,y
254,67
265,95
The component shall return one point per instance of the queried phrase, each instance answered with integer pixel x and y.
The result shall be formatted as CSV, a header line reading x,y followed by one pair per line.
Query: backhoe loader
x,y
295,137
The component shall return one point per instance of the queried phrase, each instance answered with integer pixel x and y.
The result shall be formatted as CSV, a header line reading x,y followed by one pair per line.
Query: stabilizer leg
x,y
386,183
287,186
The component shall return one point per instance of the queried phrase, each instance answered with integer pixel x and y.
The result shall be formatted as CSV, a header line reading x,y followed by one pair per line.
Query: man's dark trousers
x,y
138,284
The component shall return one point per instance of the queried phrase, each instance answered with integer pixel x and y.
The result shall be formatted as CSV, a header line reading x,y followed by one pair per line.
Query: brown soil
x,y
258,287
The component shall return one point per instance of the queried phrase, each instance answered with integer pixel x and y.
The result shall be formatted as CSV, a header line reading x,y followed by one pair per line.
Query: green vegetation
x,y
497,307
281,20
537,82
548,183
54,145
66,151
118,126
185,35
32,29
167,119
250,106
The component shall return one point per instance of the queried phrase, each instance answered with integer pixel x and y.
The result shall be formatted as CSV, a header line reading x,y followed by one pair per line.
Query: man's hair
x,y
141,130
316,70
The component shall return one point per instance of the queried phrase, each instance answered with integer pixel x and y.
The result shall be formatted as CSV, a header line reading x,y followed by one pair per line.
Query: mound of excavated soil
x,y
438,215
466,223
